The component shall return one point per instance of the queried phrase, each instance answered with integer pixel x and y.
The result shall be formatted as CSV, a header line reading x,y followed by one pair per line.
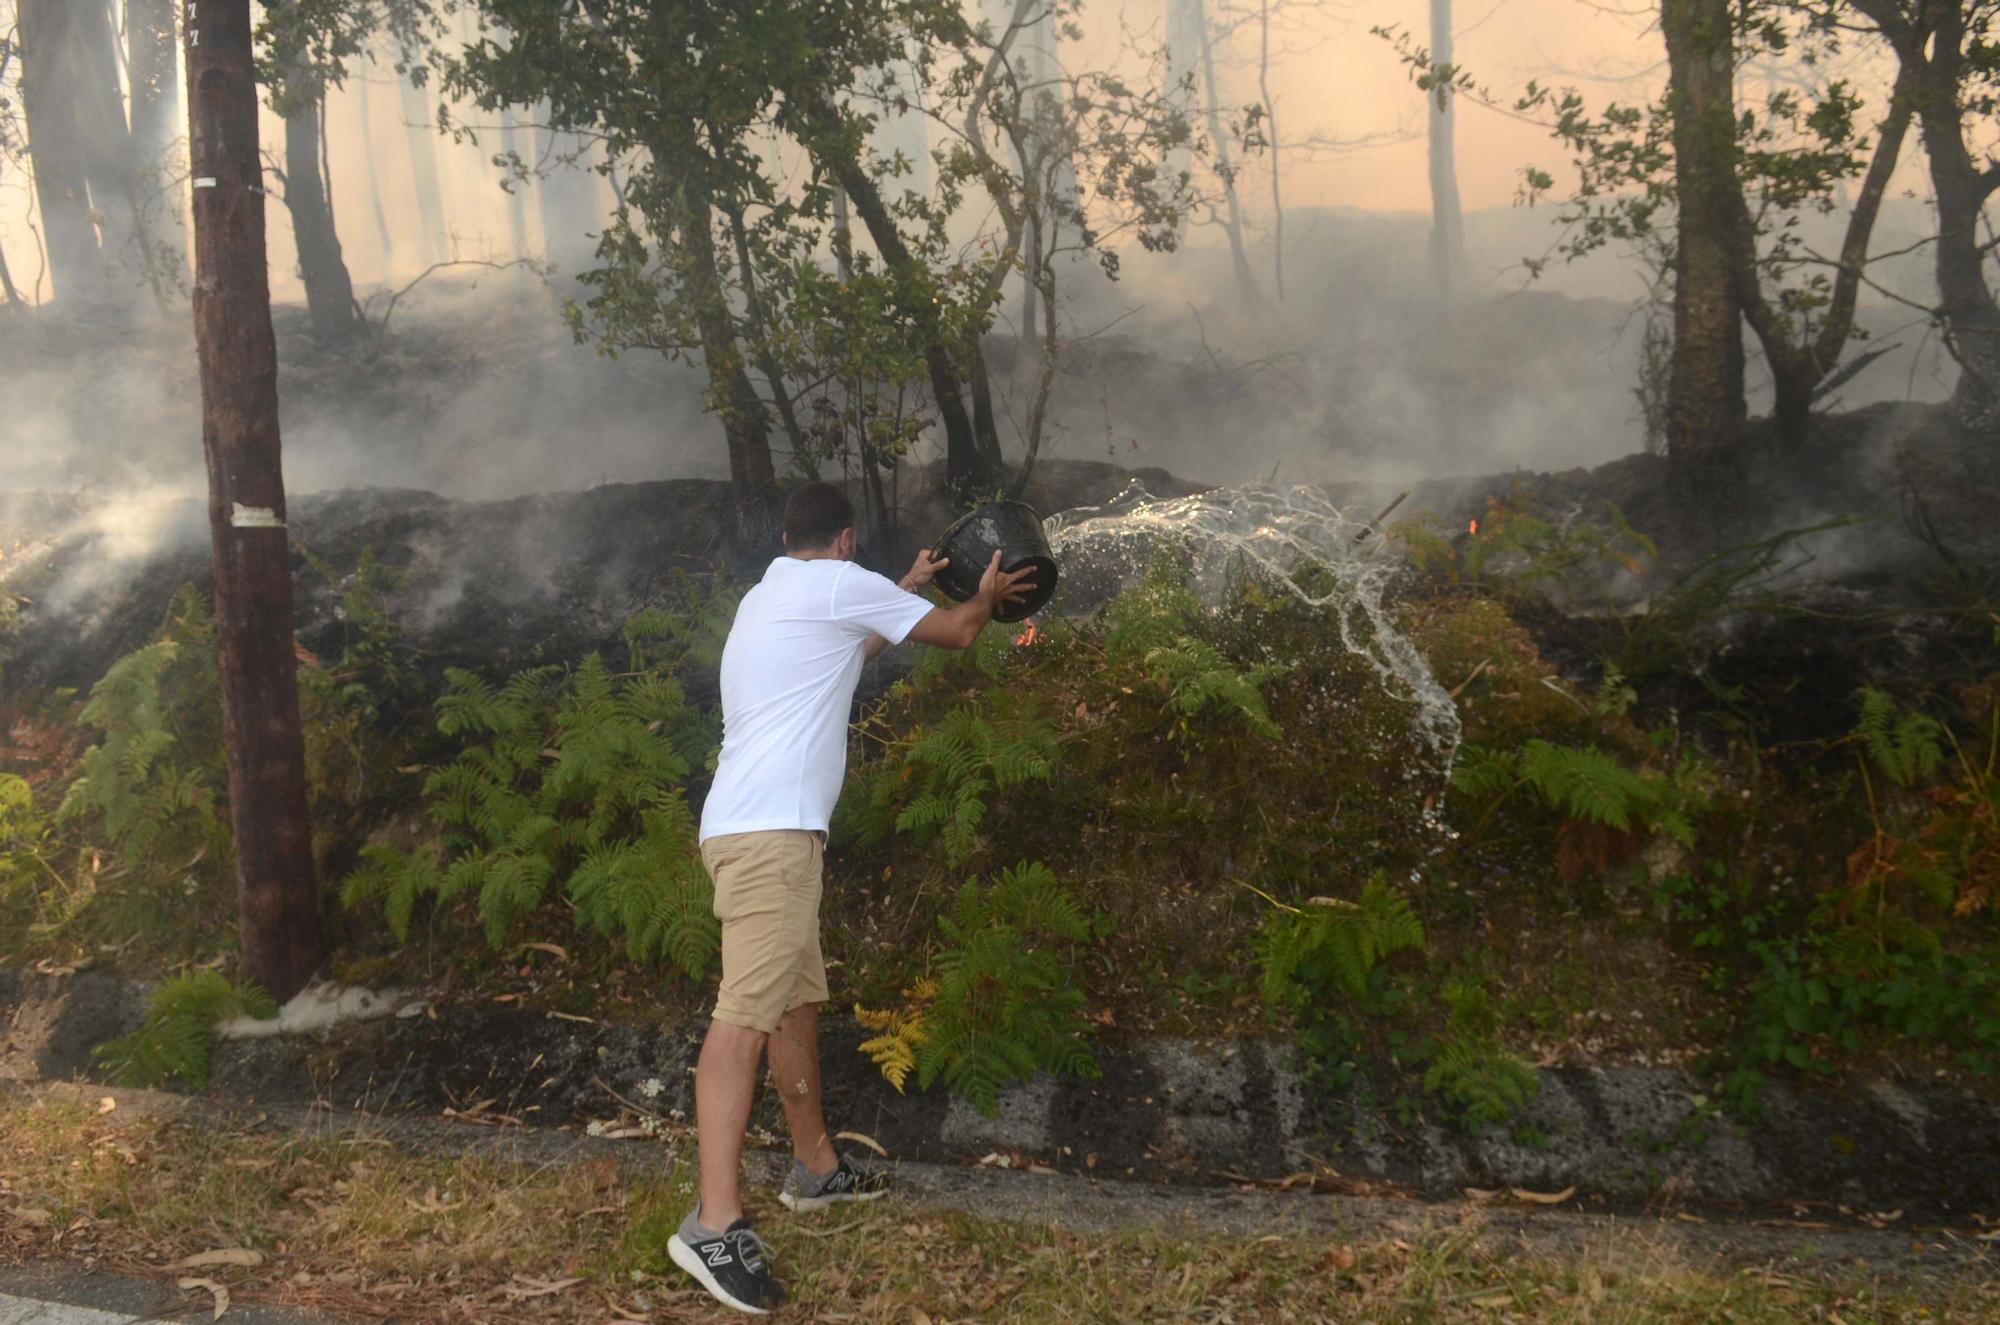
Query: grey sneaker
x,y
805,1190
733,1265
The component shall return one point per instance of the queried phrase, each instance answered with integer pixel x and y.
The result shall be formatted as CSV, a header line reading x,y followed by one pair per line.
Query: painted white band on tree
x,y
253,517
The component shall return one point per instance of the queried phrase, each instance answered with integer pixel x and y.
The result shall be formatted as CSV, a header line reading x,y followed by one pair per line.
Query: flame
x,y
1472,528
1028,636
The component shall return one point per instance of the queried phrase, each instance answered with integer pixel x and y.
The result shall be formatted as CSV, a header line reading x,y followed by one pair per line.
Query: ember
x,y
1472,527
1027,636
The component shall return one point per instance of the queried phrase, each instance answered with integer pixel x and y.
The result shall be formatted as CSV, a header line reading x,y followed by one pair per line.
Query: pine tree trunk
x,y
277,888
1705,399
56,151
329,289
1447,218
420,136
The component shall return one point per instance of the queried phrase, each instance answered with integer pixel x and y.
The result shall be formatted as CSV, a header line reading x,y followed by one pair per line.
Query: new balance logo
x,y
718,1255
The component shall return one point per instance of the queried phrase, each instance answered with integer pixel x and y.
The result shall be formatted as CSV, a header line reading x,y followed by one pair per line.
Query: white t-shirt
x,y
788,675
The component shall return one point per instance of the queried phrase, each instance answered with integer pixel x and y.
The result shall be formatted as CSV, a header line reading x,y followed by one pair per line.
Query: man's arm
x,y
922,571
957,626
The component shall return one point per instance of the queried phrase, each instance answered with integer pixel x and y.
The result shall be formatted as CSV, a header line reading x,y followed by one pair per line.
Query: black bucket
x,y
1014,529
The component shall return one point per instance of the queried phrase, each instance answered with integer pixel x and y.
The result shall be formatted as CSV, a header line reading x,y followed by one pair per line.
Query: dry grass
x,y
359,1227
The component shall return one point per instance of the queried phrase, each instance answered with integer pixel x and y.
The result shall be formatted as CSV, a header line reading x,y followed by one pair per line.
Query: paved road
x,y
60,1295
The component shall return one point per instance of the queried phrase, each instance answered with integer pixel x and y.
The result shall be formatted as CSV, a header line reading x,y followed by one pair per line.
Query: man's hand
x,y
923,571
999,587
957,626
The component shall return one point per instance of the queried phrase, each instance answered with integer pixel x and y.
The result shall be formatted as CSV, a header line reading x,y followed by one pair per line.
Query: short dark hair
x,y
815,514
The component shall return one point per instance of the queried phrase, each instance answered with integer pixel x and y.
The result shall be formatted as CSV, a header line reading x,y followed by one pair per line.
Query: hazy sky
x,y
1331,79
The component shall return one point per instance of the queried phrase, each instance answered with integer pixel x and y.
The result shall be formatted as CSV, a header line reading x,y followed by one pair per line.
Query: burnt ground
x,y
1898,595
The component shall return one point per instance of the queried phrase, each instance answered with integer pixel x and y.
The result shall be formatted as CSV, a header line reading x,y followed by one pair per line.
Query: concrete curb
x,y
1165,1110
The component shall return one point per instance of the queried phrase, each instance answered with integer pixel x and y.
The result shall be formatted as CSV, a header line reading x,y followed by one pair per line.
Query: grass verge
x,y
361,1227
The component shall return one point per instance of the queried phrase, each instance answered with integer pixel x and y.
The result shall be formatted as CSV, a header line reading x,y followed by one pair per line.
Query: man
x,y
788,675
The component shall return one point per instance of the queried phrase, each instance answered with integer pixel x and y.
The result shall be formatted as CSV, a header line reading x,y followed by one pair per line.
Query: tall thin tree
x,y
276,885
1447,216
1705,401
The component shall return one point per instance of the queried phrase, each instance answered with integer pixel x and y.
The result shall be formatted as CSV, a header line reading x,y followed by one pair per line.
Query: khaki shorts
x,y
767,889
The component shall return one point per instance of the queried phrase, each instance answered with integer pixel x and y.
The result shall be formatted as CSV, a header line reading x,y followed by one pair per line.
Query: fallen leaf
x,y
33,1216
1340,1259
1541,1198
215,1290
1493,1301
551,949
1482,1194
918,1316
239,1256
106,1105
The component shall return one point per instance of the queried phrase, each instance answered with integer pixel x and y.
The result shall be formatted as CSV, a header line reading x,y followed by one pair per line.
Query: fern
x,y
1001,1005
1585,785
1153,629
1335,946
944,778
1905,744
571,785
1480,1083
174,1042
1468,1070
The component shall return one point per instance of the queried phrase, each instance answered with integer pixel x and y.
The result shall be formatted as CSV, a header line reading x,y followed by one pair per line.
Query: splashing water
x,y
1291,539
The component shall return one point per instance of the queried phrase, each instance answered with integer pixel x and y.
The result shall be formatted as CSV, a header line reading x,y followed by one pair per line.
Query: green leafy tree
x,y
1711,192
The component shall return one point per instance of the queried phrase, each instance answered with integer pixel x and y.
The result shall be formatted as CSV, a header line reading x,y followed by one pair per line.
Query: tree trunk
x,y
1271,145
385,237
56,151
971,463
329,289
731,395
277,891
1705,402
154,72
420,136
1800,359
1232,222
1962,187
114,194
760,332
1448,258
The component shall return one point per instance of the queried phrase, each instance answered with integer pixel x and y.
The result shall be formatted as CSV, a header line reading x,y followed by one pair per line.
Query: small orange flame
x,y
1472,528
1028,636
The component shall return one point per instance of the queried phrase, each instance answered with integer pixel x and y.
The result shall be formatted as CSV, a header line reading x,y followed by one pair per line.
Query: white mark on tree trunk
x,y
253,517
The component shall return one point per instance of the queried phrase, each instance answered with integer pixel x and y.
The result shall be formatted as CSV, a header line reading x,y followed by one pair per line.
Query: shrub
x,y
1324,964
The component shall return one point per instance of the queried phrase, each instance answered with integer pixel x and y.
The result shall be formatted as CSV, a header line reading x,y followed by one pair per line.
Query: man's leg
x,y
725,1083
794,1054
